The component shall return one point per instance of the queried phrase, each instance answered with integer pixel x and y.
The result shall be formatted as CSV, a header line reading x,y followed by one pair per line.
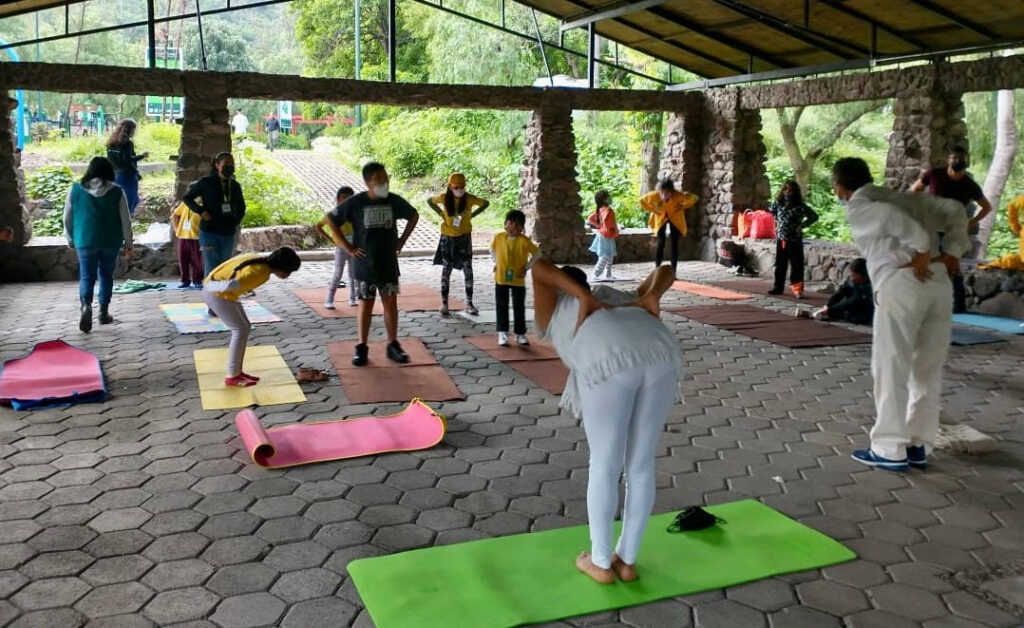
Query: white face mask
x,y
459,193
380,190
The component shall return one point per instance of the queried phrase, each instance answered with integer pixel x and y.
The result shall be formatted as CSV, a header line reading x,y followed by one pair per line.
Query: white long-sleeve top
x,y
891,227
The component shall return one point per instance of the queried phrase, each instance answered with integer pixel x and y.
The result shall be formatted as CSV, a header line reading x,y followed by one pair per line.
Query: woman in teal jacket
x,y
97,223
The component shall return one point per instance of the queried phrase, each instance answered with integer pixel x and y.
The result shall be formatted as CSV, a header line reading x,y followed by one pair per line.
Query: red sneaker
x,y
238,381
251,378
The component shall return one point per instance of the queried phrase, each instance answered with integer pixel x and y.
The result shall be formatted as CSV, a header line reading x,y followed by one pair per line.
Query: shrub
x,y
50,183
50,225
272,195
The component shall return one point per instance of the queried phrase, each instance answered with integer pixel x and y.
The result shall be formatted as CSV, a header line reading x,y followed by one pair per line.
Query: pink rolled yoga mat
x,y
416,427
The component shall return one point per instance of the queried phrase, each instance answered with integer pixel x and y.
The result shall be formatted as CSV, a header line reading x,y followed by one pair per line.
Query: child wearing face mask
x,y
339,231
457,208
513,253
792,216
229,281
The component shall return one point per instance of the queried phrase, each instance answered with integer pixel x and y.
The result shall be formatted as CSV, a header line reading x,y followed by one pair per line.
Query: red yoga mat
x,y
382,380
762,286
772,326
701,290
538,361
53,374
416,427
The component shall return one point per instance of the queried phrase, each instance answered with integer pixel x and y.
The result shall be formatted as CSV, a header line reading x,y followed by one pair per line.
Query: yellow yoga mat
x,y
277,385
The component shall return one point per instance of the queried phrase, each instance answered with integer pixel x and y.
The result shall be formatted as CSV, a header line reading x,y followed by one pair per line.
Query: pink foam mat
x,y
54,373
416,427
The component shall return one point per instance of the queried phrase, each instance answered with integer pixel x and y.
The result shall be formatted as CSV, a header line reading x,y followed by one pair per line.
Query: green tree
x,y
226,48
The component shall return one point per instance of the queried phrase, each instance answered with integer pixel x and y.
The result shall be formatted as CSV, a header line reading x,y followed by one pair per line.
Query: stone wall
x,y
926,126
549,193
205,132
682,162
733,163
49,259
13,210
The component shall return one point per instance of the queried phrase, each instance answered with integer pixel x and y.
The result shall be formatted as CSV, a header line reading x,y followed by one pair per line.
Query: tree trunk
x,y
803,163
1002,163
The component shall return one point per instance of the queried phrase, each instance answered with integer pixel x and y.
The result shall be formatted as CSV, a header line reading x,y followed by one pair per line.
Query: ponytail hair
x,y
219,157
284,259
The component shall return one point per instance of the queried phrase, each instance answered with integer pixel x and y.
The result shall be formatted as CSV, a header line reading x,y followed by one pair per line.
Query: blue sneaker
x,y
870,458
917,457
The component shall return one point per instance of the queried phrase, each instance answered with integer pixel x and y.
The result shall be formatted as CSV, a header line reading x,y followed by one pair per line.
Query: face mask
x,y
227,171
381,190
785,196
459,193
958,165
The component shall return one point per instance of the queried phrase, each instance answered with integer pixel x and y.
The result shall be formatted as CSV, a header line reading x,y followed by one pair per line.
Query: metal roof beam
x,y
797,32
617,9
955,18
725,40
842,8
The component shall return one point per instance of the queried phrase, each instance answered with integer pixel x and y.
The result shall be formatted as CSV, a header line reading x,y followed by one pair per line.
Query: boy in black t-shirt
x,y
374,250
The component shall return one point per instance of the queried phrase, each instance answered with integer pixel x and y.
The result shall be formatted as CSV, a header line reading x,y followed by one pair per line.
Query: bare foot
x,y
601,576
626,573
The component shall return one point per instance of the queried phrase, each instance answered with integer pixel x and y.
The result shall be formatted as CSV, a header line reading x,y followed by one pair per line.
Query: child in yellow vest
x,y
513,254
223,287
190,256
457,208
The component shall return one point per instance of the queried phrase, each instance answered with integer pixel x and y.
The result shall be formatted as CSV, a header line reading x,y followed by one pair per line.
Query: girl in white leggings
x,y
226,283
624,372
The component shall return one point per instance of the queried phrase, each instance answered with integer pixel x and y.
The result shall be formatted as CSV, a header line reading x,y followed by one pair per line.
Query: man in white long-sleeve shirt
x,y
898,234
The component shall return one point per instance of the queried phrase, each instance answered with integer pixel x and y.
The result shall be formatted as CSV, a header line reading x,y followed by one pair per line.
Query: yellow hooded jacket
x,y
673,210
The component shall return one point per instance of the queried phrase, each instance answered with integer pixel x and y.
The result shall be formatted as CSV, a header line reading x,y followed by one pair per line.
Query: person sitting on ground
x,y
624,372
854,301
374,248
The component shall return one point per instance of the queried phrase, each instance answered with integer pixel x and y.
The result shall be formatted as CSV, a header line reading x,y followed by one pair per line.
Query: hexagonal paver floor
x,y
143,510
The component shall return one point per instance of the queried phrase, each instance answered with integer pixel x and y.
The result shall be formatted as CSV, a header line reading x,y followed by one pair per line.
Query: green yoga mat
x,y
532,578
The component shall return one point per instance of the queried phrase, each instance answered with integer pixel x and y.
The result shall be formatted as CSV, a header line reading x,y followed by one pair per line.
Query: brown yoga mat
x,y
762,286
702,290
413,297
538,361
772,326
382,380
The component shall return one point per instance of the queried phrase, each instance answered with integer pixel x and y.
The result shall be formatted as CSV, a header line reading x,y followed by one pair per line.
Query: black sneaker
x,y
361,356
85,320
775,291
395,353
917,457
185,284
105,317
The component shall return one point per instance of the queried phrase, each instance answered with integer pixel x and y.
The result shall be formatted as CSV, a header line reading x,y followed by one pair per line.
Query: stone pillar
x,y
548,191
682,162
13,212
205,130
734,172
928,123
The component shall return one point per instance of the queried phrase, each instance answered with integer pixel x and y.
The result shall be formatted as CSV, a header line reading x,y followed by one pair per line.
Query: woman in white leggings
x,y
624,372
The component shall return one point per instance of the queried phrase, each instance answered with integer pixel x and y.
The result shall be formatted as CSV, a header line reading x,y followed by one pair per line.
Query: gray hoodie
x,y
98,187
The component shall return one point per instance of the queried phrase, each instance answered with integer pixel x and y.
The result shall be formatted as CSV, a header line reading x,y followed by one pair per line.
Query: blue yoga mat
x,y
995,323
966,337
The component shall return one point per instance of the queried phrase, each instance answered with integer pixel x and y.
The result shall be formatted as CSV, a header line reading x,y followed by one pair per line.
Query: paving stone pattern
x,y
143,510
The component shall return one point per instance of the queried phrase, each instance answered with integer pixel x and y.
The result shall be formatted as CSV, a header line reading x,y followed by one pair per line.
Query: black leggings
x,y
674,235
501,293
793,256
446,275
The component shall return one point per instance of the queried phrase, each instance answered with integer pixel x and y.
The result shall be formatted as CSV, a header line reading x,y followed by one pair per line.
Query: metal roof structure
x,y
735,40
